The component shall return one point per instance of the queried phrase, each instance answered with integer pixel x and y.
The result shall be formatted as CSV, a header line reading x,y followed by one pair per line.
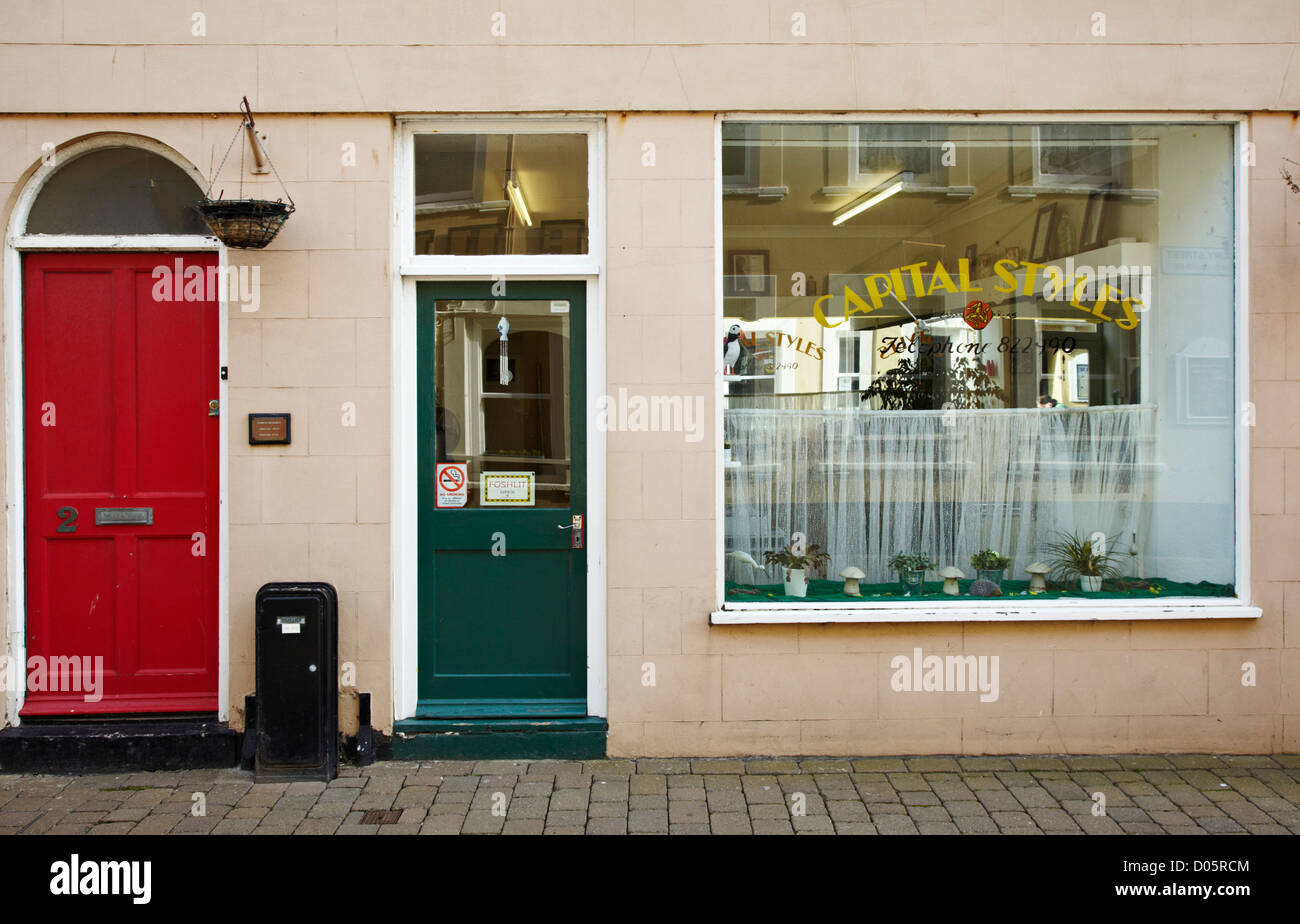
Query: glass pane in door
x,y
502,388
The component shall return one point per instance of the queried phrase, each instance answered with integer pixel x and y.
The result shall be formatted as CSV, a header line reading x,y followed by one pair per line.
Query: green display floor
x,y
820,591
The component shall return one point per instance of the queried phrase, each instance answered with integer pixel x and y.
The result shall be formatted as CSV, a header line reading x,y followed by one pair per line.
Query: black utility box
x,y
297,682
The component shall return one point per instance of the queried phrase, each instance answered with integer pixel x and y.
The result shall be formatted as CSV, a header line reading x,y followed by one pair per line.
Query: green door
x,y
502,471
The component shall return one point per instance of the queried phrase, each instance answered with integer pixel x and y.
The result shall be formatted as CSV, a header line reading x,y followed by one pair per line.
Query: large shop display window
x,y
965,361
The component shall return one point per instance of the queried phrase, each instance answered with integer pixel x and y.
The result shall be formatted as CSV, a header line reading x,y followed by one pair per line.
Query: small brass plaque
x,y
268,429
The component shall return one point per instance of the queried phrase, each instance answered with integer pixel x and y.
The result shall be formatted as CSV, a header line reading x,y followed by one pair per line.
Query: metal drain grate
x,y
381,818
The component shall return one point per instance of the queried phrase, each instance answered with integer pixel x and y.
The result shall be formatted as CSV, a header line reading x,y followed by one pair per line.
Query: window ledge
x,y
1072,611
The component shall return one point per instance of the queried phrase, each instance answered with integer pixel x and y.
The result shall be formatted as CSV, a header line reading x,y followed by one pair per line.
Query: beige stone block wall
x,y
317,346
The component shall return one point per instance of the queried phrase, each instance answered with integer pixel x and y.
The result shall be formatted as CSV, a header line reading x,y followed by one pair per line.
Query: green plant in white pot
x,y
796,566
989,565
1076,557
911,568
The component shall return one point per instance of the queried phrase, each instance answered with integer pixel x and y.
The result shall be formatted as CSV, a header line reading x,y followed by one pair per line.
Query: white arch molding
x,y
18,242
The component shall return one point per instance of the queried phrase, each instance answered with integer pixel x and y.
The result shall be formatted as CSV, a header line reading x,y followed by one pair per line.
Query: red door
x,y
121,484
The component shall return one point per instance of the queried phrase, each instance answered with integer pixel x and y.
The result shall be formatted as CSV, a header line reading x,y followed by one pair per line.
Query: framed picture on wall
x,y
1094,219
749,272
972,255
1040,247
565,236
474,240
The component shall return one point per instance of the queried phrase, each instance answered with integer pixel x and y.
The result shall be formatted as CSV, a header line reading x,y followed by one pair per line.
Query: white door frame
x,y
408,269
18,242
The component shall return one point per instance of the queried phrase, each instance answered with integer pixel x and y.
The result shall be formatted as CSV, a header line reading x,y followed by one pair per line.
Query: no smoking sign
x,y
453,484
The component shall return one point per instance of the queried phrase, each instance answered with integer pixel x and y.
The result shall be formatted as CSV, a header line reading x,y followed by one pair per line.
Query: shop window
x,y
497,194
118,191
1025,351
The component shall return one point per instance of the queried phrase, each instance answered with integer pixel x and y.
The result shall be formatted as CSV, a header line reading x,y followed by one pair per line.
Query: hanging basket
x,y
247,223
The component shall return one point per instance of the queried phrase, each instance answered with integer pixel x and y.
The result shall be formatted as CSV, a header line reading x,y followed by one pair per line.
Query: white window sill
x,y
753,614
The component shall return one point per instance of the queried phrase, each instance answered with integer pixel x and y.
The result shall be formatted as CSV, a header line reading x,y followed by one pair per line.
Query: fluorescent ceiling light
x,y
517,199
874,197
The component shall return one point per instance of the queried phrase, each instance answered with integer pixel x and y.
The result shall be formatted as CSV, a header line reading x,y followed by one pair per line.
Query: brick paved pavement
x,y
1174,794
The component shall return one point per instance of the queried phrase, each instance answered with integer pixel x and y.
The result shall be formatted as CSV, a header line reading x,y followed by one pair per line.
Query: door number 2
x,y
69,517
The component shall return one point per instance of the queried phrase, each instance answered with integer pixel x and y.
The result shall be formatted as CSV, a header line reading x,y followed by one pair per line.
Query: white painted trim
x,y
409,269
1241,356
16,243
739,613
127,242
995,613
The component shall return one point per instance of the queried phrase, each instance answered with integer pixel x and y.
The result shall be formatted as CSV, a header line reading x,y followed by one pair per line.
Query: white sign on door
x,y
453,484
508,489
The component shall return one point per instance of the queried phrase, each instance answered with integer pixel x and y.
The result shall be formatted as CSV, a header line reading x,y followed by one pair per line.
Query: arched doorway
x,y
114,393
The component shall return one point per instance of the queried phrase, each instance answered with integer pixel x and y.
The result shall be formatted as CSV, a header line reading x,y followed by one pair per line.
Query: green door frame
x,y
470,530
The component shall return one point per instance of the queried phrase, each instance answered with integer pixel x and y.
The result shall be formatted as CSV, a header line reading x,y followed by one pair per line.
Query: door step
x,y
104,747
500,739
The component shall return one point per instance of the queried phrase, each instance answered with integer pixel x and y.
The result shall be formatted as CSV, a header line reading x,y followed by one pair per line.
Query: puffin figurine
x,y
733,351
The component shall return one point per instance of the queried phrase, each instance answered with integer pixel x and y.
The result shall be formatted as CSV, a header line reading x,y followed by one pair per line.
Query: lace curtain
x,y
865,484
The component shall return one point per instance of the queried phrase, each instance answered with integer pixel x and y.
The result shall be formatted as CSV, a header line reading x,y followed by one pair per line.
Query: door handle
x,y
576,526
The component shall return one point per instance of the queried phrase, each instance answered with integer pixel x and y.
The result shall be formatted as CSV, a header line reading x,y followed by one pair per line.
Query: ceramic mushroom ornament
x,y
851,577
950,576
1037,577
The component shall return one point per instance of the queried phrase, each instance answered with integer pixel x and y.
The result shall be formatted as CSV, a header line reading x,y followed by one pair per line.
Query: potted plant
x,y
911,570
797,566
1073,557
989,565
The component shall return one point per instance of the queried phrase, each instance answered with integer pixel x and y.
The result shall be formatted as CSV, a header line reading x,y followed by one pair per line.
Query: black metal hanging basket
x,y
248,223
245,223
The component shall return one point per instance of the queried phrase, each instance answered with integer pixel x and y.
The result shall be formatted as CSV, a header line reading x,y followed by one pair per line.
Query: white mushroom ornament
x,y
1037,577
950,576
851,577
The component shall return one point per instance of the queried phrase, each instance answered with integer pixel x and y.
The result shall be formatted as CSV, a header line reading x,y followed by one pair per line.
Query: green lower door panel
x,y
500,739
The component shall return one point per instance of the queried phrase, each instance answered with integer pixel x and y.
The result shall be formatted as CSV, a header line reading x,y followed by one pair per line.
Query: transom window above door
x,y
488,194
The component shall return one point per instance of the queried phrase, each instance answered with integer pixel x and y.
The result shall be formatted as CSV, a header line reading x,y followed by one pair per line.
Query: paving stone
x,y
693,828
727,802
880,764
680,812
660,765
648,784
556,819
235,826
772,766
1092,763
608,810
569,800
995,801
156,824
1012,819
919,798
483,823
772,826
976,824
826,765
1030,763
523,826
607,826
932,764
649,821
610,767
894,824
442,824
1154,803
1142,827
527,808
847,811
648,802
606,791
